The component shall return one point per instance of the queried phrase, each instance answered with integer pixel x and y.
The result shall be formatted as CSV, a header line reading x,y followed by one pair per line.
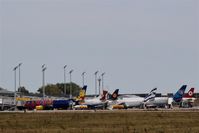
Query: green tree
x,y
58,89
23,90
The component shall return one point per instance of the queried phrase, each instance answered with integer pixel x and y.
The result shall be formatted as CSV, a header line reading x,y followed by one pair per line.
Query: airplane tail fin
x,y
151,95
104,95
82,93
114,95
179,94
189,94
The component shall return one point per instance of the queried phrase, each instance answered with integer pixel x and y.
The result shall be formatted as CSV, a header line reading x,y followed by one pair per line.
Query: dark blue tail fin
x,y
84,88
114,95
179,94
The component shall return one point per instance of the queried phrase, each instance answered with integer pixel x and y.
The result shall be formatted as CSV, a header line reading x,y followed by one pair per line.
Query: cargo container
x,y
62,104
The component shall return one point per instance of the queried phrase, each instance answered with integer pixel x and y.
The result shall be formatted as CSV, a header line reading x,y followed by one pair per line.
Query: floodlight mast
x,y
15,84
20,76
65,80
96,82
71,83
83,74
43,79
99,80
103,80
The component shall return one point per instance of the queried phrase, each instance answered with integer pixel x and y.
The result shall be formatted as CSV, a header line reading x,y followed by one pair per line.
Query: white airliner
x,y
133,101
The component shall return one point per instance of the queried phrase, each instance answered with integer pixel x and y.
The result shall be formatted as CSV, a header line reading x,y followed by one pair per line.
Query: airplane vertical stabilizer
x,y
104,95
179,94
114,95
151,95
82,93
189,93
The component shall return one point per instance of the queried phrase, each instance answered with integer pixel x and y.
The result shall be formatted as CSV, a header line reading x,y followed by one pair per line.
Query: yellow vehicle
x,y
23,99
40,107
118,107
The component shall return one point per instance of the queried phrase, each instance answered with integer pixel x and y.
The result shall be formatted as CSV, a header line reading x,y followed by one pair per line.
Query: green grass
x,y
106,122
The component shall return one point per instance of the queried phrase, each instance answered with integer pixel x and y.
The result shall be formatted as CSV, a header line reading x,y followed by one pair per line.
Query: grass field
x,y
100,122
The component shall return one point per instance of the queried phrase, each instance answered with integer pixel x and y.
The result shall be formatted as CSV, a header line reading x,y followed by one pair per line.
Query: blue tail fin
x,y
179,94
114,95
151,95
84,88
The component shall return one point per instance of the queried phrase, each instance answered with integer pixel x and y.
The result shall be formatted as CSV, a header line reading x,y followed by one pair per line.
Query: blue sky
x,y
139,44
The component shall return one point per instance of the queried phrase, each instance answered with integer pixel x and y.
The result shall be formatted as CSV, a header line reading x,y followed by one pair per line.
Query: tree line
x,y
53,90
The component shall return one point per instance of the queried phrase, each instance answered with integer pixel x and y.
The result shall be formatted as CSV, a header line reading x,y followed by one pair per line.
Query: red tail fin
x,y
189,94
104,95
